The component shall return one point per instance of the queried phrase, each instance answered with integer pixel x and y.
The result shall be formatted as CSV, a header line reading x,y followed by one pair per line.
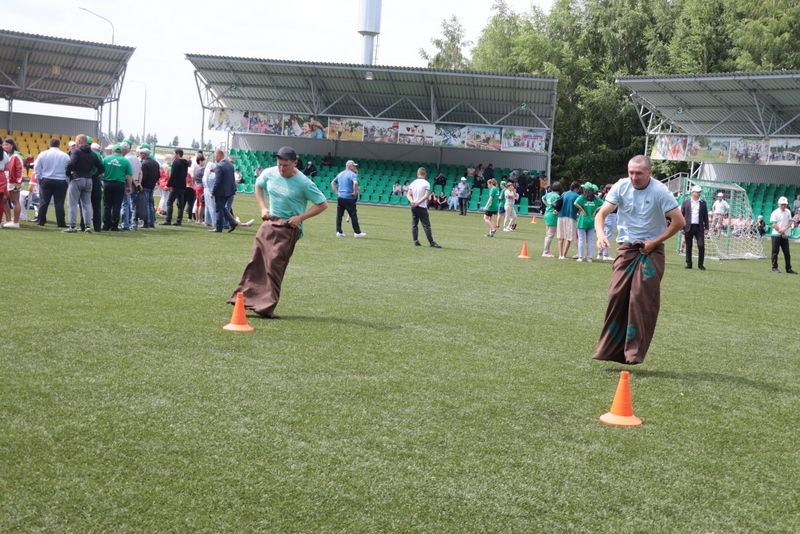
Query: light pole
x,y
101,17
144,115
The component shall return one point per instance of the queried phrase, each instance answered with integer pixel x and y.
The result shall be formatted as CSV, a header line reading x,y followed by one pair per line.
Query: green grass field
x,y
405,389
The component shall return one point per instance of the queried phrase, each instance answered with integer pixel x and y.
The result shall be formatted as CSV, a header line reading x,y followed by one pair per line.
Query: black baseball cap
x,y
286,152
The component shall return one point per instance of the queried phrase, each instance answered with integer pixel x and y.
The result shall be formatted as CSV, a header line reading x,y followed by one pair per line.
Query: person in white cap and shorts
x,y
345,187
781,222
719,211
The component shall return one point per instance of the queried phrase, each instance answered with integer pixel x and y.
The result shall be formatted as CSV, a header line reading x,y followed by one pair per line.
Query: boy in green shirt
x,y
492,204
550,217
587,204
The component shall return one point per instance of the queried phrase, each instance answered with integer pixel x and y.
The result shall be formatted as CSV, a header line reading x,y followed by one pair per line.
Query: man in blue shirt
x,y
345,186
643,206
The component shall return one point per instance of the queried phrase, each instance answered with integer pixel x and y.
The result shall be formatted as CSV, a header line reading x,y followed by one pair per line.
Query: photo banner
x,y
266,123
303,126
669,147
230,120
381,131
749,150
483,138
415,133
784,152
705,149
345,129
524,140
450,135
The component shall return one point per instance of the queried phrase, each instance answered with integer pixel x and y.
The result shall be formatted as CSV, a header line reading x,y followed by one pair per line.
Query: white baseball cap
x,y
697,189
72,143
720,194
95,146
351,162
783,200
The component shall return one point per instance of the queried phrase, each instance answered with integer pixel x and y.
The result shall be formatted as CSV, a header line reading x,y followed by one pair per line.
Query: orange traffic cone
x,y
524,254
621,413
238,319
533,219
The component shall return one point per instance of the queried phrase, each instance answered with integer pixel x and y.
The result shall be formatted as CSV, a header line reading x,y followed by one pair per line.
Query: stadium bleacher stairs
x,y
376,177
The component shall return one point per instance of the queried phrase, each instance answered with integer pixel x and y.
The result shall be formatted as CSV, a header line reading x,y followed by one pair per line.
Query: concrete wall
x,y
767,174
434,155
47,124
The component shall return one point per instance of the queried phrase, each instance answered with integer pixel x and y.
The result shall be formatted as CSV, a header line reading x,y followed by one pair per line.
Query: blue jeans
x,y
149,216
610,226
129,215
585,241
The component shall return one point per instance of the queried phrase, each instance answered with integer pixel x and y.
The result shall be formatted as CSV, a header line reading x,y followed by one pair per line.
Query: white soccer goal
x,y
734,237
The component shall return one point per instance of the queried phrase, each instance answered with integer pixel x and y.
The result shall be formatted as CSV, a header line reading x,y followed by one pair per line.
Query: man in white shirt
x,y
130,219
781,221
695,212
418,193
51,171
719,211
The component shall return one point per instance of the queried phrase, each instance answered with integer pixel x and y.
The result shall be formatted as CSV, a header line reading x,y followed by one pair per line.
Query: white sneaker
x,y
579,259
588,260
340,234
362,234
10,225
546,255
506,229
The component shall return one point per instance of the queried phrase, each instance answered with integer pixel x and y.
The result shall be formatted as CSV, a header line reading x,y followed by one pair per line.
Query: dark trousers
x,y
224,215
462,205
179,194
420,215
97,196
57,191
188,199
781,243
348,205
695,232
113,193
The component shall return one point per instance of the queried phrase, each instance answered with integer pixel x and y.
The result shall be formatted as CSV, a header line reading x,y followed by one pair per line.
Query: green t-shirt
x,y
550,216
288,196
494,199
117,168
586,222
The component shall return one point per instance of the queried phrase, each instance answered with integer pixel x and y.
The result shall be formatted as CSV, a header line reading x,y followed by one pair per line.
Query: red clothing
x,y
163,178
14,169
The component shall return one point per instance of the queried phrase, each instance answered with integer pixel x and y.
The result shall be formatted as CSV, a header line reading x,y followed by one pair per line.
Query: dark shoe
x,y
435,245
775,270
165,223
232,228
417,244
176,223
215,230
791,271
688,267
701,267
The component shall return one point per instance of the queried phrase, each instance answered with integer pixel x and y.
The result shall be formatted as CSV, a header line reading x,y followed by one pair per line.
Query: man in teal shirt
x,y
289,191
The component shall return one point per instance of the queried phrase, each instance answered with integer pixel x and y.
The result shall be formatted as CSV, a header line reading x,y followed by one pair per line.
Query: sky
x,y
162,33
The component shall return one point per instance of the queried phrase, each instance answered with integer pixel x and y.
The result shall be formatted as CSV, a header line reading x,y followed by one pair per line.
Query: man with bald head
x,y
643,206
224,189
82,167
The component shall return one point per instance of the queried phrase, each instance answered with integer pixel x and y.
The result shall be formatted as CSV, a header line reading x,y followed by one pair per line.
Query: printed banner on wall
x,y
303,126
483,138
266,123
524,140
229,120
670,147
450,135
705,149
752,151
415,133
381,131
345,129
784,152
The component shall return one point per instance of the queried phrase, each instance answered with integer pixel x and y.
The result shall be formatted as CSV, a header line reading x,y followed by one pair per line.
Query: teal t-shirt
x,y
117,168
586,222
494,199
288,196
550,216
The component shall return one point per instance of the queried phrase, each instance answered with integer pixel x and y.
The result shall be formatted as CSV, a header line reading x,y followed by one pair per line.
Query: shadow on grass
x,y
704,376
337,320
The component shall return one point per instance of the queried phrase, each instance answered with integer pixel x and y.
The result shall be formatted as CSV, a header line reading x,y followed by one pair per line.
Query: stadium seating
x,y
32,143
376,176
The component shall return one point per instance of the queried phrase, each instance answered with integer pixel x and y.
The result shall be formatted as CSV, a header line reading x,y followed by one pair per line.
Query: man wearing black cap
x,y
289,191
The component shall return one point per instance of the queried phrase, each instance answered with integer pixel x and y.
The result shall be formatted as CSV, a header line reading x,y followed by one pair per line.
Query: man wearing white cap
x,y
781,221
695,211
463,191
345,187
719,210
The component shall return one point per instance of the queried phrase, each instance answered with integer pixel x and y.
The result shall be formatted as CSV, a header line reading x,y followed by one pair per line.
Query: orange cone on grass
x,y
621,413
238,318
524,254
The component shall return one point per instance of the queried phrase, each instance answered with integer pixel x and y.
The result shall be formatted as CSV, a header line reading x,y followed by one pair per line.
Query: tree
x,y
700,43
448,54
195,144
207,145
119,137
175,141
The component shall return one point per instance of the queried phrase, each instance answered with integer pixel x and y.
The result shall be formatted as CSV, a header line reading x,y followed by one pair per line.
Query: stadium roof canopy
x,y
755,104
375,92
50,70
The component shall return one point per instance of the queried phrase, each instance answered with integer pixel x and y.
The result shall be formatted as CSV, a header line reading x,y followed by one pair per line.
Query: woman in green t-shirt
x,y
550,217
587,204
492,204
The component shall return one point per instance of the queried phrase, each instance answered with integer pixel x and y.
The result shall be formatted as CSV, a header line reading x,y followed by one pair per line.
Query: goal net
x,y
732,236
